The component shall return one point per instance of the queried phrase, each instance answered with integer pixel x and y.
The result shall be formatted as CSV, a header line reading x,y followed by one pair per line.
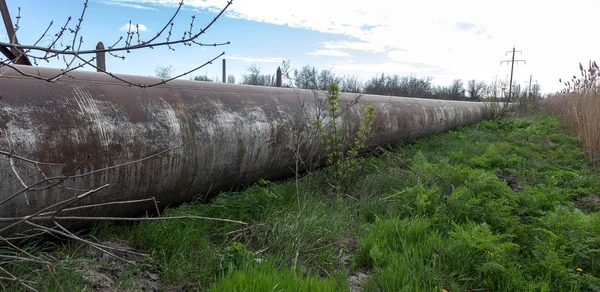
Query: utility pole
x,y
512,66
100,58
224,72
278,79
529,90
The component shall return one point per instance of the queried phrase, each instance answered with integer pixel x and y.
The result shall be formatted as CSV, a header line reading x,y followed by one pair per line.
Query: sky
x,y
445,40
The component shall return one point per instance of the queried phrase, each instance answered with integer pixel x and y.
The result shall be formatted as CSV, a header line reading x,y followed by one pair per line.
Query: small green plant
x,y
234,256
344,163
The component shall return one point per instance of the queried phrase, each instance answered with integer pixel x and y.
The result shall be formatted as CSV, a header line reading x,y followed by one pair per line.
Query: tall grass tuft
x,y
579,105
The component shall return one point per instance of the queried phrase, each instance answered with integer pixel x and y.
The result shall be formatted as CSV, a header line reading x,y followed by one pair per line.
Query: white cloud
x,y
127,5
255,60
330,53
467,36
358,46
133,27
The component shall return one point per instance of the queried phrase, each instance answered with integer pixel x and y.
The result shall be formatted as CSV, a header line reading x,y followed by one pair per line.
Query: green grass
x,y
487,207
266,278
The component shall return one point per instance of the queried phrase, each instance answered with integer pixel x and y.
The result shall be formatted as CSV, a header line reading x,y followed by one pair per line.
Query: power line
x,y
512,66
485,31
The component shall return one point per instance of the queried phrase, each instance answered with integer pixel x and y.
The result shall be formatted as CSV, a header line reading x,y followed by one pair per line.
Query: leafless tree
x,y
306,78
255,77
67,45
230,79
475,89
164,72
204,78
351,84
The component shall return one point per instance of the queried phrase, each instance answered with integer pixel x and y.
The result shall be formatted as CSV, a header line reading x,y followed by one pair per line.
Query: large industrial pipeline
x,y
230,135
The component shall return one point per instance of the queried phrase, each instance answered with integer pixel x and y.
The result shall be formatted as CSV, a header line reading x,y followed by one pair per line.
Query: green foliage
x,y
234,256
499,194
403,254
345,162
305,239
266,278
173,243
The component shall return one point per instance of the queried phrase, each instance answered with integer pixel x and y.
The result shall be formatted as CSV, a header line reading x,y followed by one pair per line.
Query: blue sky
x,y
442,39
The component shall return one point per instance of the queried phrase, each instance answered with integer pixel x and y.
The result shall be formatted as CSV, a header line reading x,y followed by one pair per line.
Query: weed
x,y
345,164
579,105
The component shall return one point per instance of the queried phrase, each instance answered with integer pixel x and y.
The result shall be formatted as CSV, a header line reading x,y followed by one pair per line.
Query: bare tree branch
x,y
6,153
51,51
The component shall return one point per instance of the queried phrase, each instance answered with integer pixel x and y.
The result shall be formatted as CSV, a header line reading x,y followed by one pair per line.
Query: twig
x,y
70,175
24,236
68,201
74,237
82,218
12,166
102,246
99,205
61,179
125,164
16,247
22,259
61,185
158,211
125,48
76,52
17,279
154,84
6,153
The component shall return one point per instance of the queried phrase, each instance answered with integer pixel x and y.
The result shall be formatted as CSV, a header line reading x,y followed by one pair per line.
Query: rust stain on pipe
x,y
231,135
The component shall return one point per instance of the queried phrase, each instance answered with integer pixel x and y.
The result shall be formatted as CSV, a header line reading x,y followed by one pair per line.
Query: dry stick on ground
x,y
71,236
65,202
189,38
64,232
15,279
103,204
129,219
22,259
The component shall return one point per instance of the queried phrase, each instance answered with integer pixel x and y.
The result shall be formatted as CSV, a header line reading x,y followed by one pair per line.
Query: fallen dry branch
x,y
46,220
21,282
83,218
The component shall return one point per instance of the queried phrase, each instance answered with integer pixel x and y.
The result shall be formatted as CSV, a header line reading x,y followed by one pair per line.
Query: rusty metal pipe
x,y
231,135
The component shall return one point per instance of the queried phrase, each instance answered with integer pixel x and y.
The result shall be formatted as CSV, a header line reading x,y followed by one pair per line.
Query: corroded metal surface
x,y
231,135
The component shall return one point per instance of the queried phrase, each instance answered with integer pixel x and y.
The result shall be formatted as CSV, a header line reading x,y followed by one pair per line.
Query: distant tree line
x,y
309,77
